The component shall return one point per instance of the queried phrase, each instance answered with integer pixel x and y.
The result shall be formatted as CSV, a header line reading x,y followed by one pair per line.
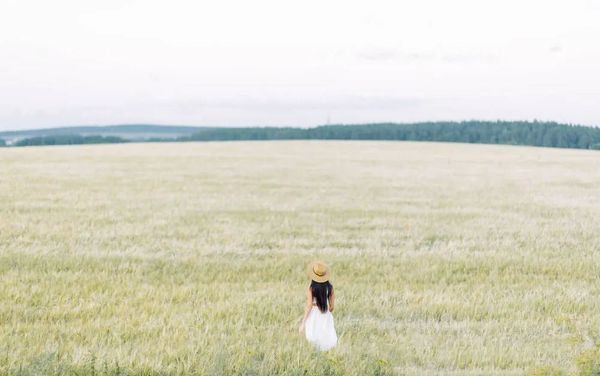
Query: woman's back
x,y
322,293
318,320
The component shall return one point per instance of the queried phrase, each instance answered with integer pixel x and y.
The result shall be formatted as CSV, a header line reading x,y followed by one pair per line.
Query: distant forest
x,y
69,139
548,134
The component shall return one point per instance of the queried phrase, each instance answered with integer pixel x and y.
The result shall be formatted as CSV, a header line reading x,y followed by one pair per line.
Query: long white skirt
x,y
319,329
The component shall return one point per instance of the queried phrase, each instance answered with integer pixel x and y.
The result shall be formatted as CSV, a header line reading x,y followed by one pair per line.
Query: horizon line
x,y
534,121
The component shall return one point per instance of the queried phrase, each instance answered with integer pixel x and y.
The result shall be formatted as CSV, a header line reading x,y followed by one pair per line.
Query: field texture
x,y
190,258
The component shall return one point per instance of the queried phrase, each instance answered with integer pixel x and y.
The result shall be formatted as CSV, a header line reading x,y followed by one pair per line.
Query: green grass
x,y
190,258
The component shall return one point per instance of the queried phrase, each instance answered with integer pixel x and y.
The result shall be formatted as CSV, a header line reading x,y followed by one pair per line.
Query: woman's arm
x,y
307,309
331,300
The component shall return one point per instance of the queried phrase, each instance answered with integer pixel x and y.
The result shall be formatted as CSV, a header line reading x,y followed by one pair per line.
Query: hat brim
x,y
318,278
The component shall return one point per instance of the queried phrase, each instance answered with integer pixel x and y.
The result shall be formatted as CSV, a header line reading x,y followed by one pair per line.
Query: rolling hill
x,y
132,132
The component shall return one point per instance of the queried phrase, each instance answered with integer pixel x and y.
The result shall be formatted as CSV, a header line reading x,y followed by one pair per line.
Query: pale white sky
x,y
278,62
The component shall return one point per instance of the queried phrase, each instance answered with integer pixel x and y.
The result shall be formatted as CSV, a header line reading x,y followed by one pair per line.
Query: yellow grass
x,y
190,257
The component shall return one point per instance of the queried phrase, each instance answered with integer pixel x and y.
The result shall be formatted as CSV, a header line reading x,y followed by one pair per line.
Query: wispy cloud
x,y
397,55
556,48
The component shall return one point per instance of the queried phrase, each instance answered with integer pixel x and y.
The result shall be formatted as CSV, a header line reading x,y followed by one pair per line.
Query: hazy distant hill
x,y
133,132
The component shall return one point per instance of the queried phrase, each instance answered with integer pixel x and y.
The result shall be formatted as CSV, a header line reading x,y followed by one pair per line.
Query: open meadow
x,y
189,258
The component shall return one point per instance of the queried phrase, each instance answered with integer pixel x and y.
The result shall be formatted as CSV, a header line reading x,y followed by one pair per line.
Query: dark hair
x,y
321,292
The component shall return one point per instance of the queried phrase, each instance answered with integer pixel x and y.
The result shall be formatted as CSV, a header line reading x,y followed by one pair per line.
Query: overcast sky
x,y
73,62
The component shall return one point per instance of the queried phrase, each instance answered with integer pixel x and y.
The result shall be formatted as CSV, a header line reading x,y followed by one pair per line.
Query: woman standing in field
x,y
317,322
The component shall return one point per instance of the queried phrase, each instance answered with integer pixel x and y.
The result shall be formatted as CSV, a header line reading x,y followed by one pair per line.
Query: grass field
x,y
189,258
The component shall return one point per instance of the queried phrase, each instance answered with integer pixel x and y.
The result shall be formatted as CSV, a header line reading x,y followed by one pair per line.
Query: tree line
x,y
502,132
69,139
548,134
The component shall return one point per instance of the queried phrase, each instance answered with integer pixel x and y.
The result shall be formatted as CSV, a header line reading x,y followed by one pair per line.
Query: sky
x,y
297,63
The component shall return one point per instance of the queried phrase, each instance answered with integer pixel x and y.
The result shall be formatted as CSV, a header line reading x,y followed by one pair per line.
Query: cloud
x,y
555,48
396,55
383,54
274,103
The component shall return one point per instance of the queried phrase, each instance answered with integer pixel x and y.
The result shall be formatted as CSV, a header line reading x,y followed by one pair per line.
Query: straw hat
x,y
318,271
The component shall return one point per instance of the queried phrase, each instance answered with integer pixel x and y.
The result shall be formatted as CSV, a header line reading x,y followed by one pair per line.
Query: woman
x,y
320,300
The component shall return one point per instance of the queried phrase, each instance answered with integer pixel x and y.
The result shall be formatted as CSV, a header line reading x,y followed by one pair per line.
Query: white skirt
x,y
319,329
